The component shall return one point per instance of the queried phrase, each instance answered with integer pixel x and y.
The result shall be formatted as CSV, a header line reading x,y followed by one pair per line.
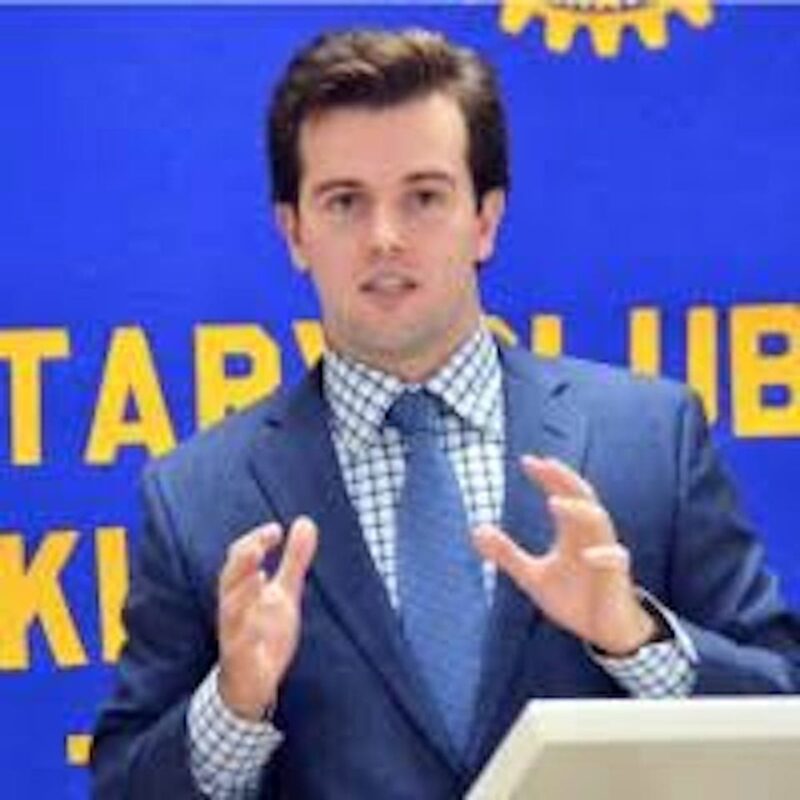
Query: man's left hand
x,y
583,583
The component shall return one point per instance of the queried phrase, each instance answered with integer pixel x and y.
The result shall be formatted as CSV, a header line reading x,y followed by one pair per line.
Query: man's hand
x,y
583,583
259,616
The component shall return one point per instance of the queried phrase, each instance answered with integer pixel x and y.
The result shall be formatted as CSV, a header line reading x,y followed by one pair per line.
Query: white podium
x,y
744,748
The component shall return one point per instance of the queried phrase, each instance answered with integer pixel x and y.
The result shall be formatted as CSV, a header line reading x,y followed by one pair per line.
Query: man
x,y
351,589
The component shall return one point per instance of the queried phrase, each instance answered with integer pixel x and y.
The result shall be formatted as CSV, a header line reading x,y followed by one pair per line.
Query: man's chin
x,y
399,353
392,350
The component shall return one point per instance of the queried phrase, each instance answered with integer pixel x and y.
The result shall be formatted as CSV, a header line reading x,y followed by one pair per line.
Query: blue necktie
x,y
442,597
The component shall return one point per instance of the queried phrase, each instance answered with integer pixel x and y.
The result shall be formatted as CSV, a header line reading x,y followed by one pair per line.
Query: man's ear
x,y
287,217
493,205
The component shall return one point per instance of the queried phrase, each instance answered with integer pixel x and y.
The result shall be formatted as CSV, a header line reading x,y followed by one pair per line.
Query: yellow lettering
x,y
310,339
129,376
218,392
500,328
644,338
111,554
547,335
26,350
36,594
753,371
702,357
78,748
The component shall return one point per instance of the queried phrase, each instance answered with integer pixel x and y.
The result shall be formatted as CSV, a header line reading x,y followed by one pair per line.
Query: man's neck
x,y
409,370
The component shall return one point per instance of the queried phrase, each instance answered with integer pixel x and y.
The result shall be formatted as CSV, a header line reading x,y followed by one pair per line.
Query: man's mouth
x,y
389,284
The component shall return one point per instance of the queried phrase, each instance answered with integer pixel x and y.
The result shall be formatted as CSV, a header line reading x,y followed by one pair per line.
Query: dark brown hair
x,y
379,68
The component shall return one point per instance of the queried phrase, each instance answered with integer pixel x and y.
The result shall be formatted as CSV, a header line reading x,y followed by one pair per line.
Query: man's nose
x,y
386,231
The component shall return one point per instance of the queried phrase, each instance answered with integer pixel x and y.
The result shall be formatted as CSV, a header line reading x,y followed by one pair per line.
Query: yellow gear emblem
x,y
606,20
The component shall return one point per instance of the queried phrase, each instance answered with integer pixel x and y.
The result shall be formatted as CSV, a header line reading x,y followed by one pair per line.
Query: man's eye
x,y
428,198
342,203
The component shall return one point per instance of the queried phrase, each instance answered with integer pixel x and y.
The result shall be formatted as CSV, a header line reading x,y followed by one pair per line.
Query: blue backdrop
x,y
653,223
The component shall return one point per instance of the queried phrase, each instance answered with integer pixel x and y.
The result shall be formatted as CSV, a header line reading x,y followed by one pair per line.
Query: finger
x,y
238,598
297,555
581,523
556,478
496,546
246,554
611,557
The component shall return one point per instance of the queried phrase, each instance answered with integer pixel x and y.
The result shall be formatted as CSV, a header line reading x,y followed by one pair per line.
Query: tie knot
x,y
416,414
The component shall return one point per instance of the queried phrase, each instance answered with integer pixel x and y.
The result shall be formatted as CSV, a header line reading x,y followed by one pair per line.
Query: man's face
x,y
387,226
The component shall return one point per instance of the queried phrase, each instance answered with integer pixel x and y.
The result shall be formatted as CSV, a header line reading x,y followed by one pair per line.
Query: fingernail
x,y
305,522
271,530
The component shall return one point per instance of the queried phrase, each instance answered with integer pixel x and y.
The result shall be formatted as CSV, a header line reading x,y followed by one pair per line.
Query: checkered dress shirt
x,y
227,753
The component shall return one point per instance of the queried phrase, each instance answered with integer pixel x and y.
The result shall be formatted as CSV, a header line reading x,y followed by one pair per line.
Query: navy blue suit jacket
x,y
357,721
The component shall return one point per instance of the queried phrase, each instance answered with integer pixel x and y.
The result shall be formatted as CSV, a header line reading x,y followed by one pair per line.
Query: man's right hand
x,y
259,616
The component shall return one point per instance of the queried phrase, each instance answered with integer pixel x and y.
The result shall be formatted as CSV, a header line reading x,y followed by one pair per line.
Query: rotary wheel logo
x,y
606,20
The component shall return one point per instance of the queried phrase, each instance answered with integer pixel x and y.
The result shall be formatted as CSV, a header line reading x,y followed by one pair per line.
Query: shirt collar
x,y
469,383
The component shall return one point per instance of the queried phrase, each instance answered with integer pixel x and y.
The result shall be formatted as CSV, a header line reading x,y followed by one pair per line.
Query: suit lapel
x,y
295,465
541,420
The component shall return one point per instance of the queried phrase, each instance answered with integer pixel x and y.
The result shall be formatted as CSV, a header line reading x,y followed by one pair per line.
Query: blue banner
x,y
145,291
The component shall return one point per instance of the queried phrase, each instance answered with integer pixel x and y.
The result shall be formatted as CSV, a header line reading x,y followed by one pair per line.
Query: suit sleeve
x,y
747,639
141,746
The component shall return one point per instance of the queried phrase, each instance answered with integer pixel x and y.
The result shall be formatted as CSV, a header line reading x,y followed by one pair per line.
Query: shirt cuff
x,y
661,669
227,753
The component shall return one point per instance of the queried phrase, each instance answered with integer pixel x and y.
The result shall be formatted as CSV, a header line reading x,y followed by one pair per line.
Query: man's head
x,y
389,161
377,69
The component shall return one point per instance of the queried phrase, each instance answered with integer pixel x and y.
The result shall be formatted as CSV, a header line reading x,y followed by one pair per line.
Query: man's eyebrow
x,y
339,184
334,184
431,175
